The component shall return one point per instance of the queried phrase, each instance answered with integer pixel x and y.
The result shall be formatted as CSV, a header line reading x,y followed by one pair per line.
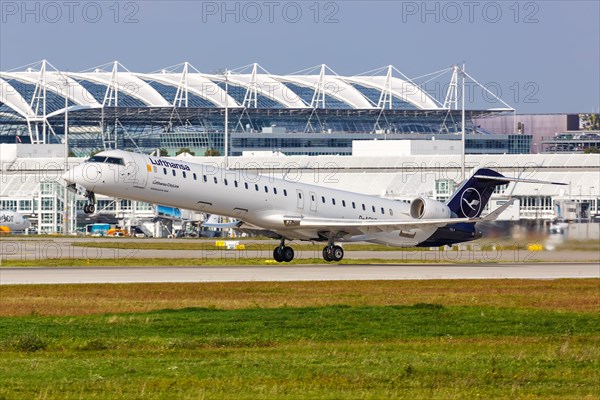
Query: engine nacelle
x,y
421,208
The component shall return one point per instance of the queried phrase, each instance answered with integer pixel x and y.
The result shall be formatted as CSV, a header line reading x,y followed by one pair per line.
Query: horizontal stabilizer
x,y
508,179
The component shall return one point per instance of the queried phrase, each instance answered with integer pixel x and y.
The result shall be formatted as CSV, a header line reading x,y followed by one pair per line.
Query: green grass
x,y
419,351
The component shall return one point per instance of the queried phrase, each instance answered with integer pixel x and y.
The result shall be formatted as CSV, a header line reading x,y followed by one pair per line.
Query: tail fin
x,y
473,195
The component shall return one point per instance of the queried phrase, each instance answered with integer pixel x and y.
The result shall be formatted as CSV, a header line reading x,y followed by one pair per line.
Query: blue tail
x,y
473,195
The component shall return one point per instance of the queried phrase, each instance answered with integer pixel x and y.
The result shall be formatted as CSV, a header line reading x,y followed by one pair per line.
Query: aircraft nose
x,y
67,176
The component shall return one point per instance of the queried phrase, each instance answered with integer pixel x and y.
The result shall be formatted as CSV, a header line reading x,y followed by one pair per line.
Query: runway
x,y
11,276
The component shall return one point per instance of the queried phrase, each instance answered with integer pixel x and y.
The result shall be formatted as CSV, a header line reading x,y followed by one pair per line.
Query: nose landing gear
x,y
90,207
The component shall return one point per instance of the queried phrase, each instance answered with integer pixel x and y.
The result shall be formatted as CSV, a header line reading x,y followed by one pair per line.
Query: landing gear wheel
x,y
333,253
287,253
283,254
277,254
327,254
337,253
90,207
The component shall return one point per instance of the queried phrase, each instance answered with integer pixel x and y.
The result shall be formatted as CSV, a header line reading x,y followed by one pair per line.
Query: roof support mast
x,y
111,99
38,101
251,97
386,97
452,93
318,100
181,97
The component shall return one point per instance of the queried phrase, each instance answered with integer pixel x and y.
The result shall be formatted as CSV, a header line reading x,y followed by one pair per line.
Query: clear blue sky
x,y
544,56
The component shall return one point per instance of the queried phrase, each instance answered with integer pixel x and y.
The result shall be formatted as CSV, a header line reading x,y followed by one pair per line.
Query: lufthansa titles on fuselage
x,y
164,163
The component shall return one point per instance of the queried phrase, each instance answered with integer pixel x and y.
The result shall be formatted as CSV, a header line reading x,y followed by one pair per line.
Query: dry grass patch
x,y
577,295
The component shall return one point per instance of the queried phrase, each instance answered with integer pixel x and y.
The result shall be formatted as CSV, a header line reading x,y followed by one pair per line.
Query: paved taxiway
x,y
298,273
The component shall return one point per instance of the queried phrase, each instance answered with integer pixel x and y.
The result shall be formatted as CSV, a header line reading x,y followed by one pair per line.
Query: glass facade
x,y
292,131
54,102
98,91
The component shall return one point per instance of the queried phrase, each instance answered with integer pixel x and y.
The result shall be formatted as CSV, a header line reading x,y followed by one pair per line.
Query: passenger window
x,y
195,177
246,185
299,195
225,182
373,208
174,173
275,190
343,203
266,189
204,178
391,212
323,199
183,174
284,192
364,208
382,210
333,201
235,183
164,171
354,205
256,187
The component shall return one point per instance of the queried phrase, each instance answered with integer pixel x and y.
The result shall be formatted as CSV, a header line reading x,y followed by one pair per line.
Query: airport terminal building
x,y
312,112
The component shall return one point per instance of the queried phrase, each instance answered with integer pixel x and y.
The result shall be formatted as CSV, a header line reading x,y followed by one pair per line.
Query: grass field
x,y
338,340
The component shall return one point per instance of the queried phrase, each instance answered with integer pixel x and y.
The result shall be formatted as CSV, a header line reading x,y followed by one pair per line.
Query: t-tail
x,y
468,202
473,195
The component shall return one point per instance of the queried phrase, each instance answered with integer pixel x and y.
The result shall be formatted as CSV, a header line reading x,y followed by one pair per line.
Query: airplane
x,y
11,221
288,210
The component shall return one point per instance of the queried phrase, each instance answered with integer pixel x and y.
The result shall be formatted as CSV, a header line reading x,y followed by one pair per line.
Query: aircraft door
x,y
313,201
300,199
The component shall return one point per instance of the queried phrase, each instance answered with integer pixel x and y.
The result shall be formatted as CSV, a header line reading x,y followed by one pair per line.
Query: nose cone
x,y
67,176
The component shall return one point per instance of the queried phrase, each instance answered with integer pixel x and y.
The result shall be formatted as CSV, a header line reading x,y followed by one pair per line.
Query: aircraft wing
x,y
494,214
375,225
369,225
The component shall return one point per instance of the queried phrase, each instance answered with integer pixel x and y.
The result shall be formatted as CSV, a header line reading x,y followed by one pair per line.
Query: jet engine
x,y
421,208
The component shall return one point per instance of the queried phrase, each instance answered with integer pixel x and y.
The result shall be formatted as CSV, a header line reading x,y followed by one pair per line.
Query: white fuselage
x,y
258,200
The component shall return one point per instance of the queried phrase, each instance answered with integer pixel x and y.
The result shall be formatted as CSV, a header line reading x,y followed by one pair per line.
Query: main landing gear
x,y
332,252
283,253
90,207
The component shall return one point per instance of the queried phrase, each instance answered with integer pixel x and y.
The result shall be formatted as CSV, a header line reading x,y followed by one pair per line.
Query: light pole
x,y
65,221
226,149
536,204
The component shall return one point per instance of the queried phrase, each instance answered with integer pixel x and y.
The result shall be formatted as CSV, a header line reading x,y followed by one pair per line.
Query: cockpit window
x,y
107,160
115,160
97,159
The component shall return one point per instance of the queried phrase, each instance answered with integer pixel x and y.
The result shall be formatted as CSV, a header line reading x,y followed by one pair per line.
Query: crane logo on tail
x,y
470,202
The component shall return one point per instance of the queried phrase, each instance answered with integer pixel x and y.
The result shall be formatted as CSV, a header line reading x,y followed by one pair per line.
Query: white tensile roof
x,y
209,87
